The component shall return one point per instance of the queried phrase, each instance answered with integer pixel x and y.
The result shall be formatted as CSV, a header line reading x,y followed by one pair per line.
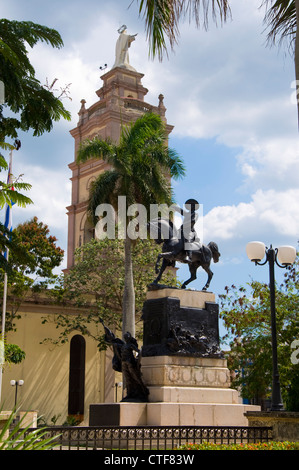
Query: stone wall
x,y
285,425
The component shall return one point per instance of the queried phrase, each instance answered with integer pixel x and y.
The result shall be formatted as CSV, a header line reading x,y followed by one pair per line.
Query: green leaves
x,y
95,284
20,438
40,252
246,315
35,107
14,354
33,254
9,195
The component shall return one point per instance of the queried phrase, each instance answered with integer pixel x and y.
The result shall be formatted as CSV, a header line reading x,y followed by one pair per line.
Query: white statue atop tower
x,y
121,49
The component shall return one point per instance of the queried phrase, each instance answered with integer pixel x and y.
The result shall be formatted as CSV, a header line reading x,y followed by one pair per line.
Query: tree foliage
x,y
13,354
33,106
27,104
246,315
10,190
96,283
41,253
33,256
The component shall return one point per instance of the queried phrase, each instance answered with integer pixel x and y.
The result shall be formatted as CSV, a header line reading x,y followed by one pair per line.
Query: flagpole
x,y
3,332
2,348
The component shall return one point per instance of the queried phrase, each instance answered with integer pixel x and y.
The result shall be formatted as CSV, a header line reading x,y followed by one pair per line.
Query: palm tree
x,y
162,20
140,168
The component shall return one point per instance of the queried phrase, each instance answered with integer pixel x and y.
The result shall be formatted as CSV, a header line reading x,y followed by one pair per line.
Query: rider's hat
x,y
193,203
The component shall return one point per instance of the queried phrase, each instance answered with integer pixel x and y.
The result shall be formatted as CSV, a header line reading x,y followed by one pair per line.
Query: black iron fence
x,y
152,437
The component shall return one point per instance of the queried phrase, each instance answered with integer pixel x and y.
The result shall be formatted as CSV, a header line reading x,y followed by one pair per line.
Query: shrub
x,y
273,445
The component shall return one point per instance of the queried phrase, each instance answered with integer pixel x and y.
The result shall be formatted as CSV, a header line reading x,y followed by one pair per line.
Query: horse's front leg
x,y
157,264
210,275
192,270
162,269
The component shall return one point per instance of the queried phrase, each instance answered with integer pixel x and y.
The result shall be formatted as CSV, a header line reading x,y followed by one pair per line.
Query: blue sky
x,y
229,98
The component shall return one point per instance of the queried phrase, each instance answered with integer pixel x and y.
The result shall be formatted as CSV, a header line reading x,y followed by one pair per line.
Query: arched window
x,y
89,232
77,376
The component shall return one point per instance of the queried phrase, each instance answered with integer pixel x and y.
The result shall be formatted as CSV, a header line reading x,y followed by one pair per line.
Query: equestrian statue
x,y
183,245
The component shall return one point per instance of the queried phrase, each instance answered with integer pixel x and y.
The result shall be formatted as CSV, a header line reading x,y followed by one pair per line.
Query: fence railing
x,y
152,437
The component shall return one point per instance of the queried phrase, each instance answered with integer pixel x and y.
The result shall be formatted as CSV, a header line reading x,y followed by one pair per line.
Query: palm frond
x,y
280,18
103,191
21,437
162,19
202,10
176,164
27,31
6,146
3,162
144,129
95,148
142,165
9,196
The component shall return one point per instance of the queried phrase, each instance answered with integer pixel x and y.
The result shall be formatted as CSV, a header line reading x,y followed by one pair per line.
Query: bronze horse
x,y
173,250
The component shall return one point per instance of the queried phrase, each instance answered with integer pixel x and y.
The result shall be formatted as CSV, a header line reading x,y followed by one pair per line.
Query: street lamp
x,y
16,383
117,384
283,257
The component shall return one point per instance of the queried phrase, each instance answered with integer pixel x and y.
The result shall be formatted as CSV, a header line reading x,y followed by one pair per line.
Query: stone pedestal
x,y
187,380
181,323
182,366
191,391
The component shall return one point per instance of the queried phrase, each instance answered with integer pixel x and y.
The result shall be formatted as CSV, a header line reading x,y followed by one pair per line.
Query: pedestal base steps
x,y
168,414
184,391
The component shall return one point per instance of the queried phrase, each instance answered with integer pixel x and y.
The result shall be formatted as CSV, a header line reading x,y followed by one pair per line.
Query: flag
x,y
8,212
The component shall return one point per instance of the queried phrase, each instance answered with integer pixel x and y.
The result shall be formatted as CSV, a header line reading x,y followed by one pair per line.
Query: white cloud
x,y
50,194
270,214
271,164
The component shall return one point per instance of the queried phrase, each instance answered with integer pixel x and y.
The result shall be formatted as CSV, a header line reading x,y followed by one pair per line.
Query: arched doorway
x,y
77,376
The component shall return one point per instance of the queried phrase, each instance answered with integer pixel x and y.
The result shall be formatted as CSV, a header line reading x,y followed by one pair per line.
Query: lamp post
x,y
16,383
283,257
117,384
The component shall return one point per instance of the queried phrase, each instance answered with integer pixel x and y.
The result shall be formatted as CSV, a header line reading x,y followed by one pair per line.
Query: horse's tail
x,y
215,252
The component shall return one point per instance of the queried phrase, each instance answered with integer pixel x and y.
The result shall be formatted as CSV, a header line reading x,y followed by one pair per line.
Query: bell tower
x,y
120,101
